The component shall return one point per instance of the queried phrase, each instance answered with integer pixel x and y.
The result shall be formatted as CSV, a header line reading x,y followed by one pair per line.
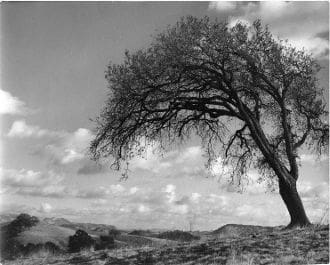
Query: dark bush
x,y
21,223
80,240
177,235
10,247
137,233
51,247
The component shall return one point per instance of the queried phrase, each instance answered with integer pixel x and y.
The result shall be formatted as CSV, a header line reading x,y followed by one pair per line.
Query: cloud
x,y
304,24
12,105
188,162
45,207
99,192
50,184
67,149
309,190
33,183
311,158
28,178
20,129
91,167
99,202
223,6
133,190
62,147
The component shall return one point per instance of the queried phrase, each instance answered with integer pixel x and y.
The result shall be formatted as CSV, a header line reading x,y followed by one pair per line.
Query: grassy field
x,y
253,245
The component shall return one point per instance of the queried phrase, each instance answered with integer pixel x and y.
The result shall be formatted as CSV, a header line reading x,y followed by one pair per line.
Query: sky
x,y
54,57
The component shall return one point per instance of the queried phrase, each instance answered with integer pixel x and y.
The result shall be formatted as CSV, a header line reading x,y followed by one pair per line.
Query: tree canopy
x,y
253,99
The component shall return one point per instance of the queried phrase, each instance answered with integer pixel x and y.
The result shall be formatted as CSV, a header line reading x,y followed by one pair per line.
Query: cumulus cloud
x,y
303,23
100,192
33,183
223,6
70,148
21,129
51,184
188,162
67,149
11,104
62,147
28,178
45,207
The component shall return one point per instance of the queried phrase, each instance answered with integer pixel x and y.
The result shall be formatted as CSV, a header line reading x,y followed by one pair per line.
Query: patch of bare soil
x,y
297,246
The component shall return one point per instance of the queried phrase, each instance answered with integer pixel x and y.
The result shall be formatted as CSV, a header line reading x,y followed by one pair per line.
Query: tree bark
x,y
293,203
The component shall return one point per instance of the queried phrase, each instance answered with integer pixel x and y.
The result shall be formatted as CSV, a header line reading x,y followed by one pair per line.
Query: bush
x,y
21,223
79,241
177,235
10,247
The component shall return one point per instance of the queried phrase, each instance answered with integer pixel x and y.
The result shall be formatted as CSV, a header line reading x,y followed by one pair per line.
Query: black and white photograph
x,y
140,133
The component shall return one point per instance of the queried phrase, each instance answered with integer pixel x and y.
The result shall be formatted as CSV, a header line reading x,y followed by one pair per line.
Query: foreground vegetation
x,y
229,245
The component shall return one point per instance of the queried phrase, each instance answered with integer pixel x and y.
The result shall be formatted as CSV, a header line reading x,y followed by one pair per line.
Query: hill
x,y
297,246
236,230
44,232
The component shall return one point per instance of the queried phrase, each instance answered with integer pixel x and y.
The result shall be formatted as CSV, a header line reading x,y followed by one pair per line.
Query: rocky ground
x,y
271,246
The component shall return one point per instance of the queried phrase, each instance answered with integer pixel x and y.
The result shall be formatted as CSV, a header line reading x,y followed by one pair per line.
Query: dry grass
x,y
282,247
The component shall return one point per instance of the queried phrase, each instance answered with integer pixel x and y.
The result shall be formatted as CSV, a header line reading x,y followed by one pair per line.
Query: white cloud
x,y
64,147
33,183
170,191
311,158
117,188
28,178
142,208
133,190
223,6
100,192
21,129
195,197
68,148
188,162
11,105
299,22
45,207
99,202
71,155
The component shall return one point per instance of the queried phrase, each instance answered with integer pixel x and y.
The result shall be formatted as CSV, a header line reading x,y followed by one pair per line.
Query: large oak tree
x,y
253,99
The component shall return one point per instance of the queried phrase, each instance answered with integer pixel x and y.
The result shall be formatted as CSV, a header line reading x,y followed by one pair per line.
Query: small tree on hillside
x,y
252,99
79,241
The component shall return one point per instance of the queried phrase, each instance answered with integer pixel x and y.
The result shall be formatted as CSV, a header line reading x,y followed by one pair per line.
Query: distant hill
x,y
44,232
56,221
237,230
95,229
24,234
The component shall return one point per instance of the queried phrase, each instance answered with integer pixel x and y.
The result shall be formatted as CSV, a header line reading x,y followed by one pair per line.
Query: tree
x,y
79,241
250,97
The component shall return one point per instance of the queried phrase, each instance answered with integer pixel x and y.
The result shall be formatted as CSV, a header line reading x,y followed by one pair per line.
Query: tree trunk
x,y
294,204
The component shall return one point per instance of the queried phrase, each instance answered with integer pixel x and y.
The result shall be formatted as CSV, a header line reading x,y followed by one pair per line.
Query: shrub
x,y
10,247
79,241
21,223
177,235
